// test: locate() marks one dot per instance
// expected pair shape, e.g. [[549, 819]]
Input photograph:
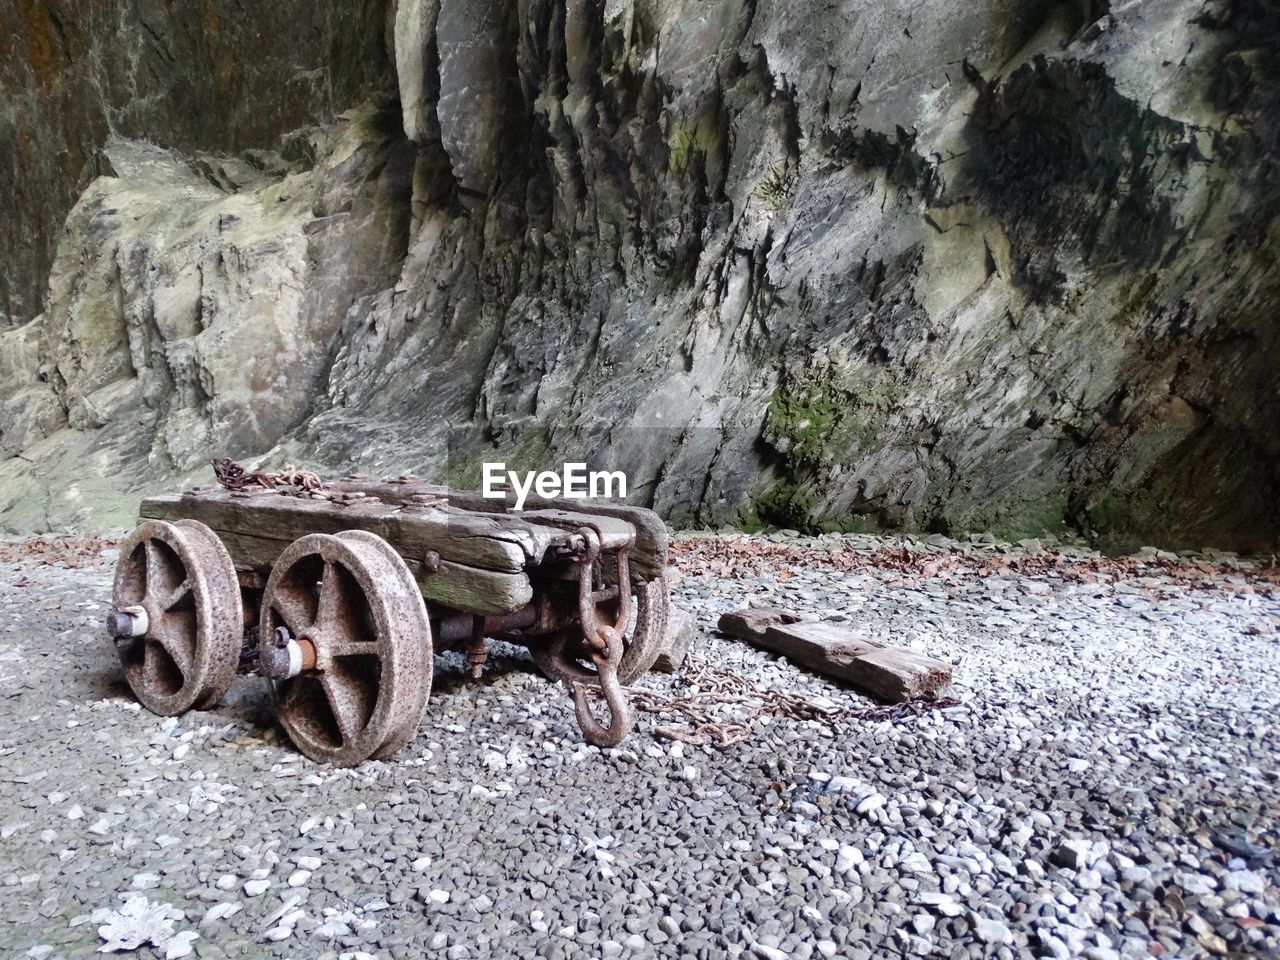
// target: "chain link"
[[716, 687]]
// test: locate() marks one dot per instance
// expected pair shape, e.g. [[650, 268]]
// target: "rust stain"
[[223, 65], [41, 38], [212, 22], [224, 73], [26, 145]]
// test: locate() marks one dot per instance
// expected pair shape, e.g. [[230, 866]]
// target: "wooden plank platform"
[[648, 556], [614, 533], [491, 542], [457, 586], [892, 674], [485, 551], [482, 558]]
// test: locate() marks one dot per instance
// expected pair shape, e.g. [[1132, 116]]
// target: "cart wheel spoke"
[[352, 648], [330, 587], [166, 635], [154, 659], [153, 582], [294, 613], [351, 701], [175, 596]]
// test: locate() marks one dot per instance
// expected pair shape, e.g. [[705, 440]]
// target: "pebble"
[[220, 911], [943, 903], [990, 931], [1244, 881], [848, 859], [873, 802], [1071, 854], [180, 944]]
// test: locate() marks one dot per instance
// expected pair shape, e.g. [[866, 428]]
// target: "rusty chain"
[[234, 477], [718, 686]]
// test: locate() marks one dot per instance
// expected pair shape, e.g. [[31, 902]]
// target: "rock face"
[[922, 265], [198, 76]]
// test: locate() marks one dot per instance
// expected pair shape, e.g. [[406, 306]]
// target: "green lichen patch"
[[816, 422], [775, 189], [529, 451], [1136, 302], [820, 420], [691, 141], [1120, 522], [854, 523], [1014, 517], [787, 505]]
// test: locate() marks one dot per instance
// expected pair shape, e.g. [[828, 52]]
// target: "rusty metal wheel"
[[564, 658], [351, 602], [177, 617]]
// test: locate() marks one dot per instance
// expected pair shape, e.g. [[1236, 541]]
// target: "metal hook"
[[619, 710]]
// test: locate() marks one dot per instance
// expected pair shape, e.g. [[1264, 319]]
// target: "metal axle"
[[127, 623], [286, 657]]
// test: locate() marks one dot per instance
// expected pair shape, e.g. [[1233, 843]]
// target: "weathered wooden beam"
[[614, 533], [474, 591], [452, 585], [491, 542], [678, 642], [751, 623], [648, 556], [890, 673]]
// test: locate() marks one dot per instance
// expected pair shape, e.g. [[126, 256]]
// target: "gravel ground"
[[1108, 786]]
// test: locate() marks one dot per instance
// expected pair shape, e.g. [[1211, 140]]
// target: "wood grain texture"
[[453, 585], [679, 641], [648, 556], [892, 674], [490, 542]]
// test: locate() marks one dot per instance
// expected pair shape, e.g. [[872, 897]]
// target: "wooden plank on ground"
[[890, 673], [752, 623]]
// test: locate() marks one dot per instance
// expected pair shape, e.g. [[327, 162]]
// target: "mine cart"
[[340, 594]]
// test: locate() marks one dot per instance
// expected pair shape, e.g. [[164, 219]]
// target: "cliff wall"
[[1007, 265]]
